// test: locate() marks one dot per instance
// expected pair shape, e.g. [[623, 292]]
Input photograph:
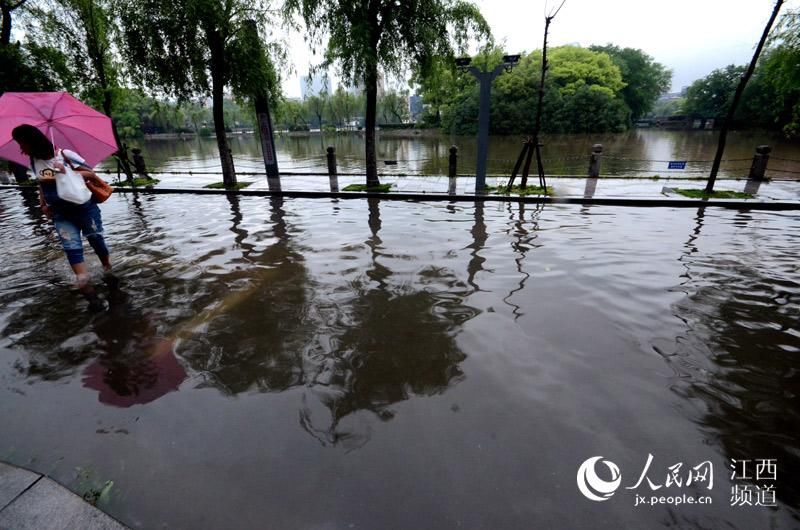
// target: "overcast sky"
[[691, 37]]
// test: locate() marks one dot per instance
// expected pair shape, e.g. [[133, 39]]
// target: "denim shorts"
[[71, 222]]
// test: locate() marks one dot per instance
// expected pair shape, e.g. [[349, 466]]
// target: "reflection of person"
[[70, 219], [137, 366], [6, 177]]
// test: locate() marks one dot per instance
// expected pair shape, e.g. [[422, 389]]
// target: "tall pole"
[[267, 142], [537, 126], [723, 133], [533, 141], [485, 79]]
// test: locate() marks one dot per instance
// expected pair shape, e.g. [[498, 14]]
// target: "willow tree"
[[364, 36], [7, 7], [82, 30], [189, 48]]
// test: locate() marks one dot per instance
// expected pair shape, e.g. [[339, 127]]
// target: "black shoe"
[[111, 281], [117, 296], [96, 304]]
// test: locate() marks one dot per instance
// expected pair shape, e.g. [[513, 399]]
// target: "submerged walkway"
[[767, 195], [631, 191], [32, 501]]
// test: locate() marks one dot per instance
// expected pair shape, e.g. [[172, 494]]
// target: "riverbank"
[[386, 133]]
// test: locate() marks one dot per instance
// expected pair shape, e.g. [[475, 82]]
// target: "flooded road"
[[298, 363]]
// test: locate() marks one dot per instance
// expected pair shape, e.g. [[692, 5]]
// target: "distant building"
[[671, 96], [313, 85], [415, 106], [358, 88]]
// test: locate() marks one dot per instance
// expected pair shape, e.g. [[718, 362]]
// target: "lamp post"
[[485, 79]]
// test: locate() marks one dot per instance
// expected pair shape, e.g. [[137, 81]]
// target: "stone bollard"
[[760, 159], [451, 172], [331, 162], [594, 160], [332, 174]]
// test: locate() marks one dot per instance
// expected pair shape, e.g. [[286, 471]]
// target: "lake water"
[[299, 363], [637, 153]]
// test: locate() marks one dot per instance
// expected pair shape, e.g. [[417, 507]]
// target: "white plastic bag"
[[71, 186]]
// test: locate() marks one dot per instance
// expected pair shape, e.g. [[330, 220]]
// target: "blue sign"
[[677, 164]]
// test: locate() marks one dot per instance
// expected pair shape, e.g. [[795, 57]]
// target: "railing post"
[[594, 160], [451, 172], [332, 175], [760, 159]]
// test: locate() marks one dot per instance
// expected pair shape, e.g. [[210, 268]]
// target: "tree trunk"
[[371, 89], [5, 37], [225, 157], [97, 56], [122, 152], [217, 85]]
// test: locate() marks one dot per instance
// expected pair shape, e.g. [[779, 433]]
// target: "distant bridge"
[[680, 122]]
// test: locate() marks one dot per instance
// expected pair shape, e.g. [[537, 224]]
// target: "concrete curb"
[[736, 204], [31, 501]]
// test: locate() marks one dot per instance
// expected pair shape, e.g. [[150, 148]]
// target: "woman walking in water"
[[70, 219]]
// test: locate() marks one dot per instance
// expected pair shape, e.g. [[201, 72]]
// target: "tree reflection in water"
[[399, 342], [263, 323], [748, 381], [523, 241], [384, 344], [253, 338]]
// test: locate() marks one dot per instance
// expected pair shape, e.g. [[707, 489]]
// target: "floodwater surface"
[[299, 363], [641, 153]]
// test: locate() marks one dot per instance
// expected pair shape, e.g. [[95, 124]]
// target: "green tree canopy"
[[645, 80], [315, 106], [191, 47], [82, 31], [782, 70], [394, 107], [344, 106], [709, 97], [367, 35], [434, 87], [29, 65], [572, 67], [582, 94]]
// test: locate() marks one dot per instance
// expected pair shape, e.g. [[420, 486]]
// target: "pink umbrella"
[[137, 379], [67, 122]]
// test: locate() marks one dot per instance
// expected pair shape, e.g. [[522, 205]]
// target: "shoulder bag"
[[71, 186], [100, 189]]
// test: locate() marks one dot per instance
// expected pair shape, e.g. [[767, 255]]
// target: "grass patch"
[[517, 190], [721, 194], [137, 182], [381, 188], [222, 186]]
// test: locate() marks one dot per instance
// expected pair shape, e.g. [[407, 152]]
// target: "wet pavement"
[[30, 501]]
